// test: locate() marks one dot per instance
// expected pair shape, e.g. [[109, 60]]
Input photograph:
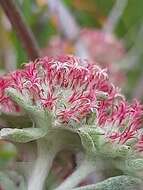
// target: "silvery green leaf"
[[22, 135], [131, 164], [42, 118], [87, 142], [114, 150], [20, 100], [115, 183], [135, 164], [95, 142], [90, 138]]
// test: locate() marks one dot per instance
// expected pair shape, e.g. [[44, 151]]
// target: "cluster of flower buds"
[[103, 48], [74, 94], [106, 50]]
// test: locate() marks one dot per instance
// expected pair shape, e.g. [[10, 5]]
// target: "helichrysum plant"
[[71, 103]]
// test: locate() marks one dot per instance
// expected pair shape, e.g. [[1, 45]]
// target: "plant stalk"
[[42, 165], [77, 176], [18, 22]]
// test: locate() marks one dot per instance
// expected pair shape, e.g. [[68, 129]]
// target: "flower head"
[[72, 93], [103, 47]]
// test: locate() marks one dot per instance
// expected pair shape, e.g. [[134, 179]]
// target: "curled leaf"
[[87, 142], [41, 117], [22, 135]]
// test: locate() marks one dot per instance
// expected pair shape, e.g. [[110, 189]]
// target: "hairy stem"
[[42, 166], [76, 177], [17, 20]]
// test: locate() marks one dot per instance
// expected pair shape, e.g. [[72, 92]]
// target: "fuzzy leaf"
[[42, 118], [20, 100], [93, 141], [87, 142], [130, 166], [91, 138], [115, 183], [111, 150], [135, 164], [22, 135]]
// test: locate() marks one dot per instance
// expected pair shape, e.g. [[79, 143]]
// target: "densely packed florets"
[[102, 47], [72, 93]]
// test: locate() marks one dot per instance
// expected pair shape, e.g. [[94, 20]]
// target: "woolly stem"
[[42, 165], [77, 176]]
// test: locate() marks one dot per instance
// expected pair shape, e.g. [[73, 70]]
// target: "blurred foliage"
[[91, 13], [37, 18], [7, 153]]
